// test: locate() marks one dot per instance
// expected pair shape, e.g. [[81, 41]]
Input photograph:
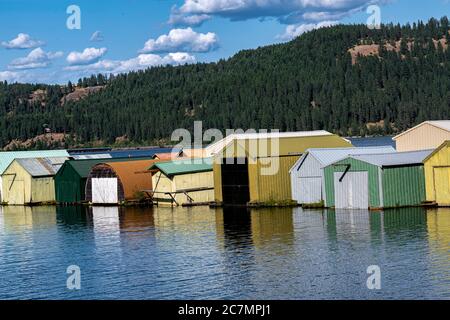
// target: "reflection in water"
[[268, 226], [136, 219], [231, 253], [438, 223]]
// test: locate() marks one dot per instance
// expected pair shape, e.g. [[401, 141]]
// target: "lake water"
[[203, 253]]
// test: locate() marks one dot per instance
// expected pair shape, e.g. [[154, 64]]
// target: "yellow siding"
[[437, 176], [20, 188], [42, 190], [275, 187], [183, 182], [217, 172], [16, 185], [423, 137]]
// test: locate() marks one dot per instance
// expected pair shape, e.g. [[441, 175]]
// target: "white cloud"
[[88, 56], [295, 30], [37, 58], [22, 41], [194, 20], [186, 40], [97, 36], [286, 11], [140, 62]]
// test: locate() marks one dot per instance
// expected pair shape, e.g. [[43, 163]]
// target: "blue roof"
[[6, 157]]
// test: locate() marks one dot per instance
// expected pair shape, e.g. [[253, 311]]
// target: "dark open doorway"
[[235, 185]]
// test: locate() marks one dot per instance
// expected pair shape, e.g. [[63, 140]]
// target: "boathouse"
[[253, 168], [376, 181], [6, 157], [116, 182], [30, 181], [70, 180], [183, 182], [425, 136], [307, 179], [437, 175]]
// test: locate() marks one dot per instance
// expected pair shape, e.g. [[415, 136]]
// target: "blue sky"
[[122, 35]]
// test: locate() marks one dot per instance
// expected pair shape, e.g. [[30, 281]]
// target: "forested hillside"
[[346, 79]]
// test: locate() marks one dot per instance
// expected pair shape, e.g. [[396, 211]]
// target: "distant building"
[[307, 180], [425, 136], [376, 181], [30, 181], [254, 167]]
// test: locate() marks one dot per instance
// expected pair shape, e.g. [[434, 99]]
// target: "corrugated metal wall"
[[403, 186], [436, 177], [422, 138], [276, 187], [355, 166]]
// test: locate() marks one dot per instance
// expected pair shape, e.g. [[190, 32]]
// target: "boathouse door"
[[351, 190], [235, 182], [104, 190]]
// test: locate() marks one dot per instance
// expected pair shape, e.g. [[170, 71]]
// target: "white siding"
[[353, 191], [104, 190], [310, 172]]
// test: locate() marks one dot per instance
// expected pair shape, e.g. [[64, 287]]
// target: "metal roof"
[[221, 144], [394, 159], [442, 124], [328, 156], [6, 157], [91, 156], [178, 167], [42, 167]]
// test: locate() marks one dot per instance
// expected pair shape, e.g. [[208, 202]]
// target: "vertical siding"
[[42, 190], [275, 187], [17, 189], [217, 172], [422, 138], [356, 166], [310, 168], [403, 186], [440, 159]]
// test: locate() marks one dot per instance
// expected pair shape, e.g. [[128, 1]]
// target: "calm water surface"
[[203, 253]]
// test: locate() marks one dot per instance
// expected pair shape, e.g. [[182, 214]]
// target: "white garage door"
[[104, 190], [353, 191], [309, 190]]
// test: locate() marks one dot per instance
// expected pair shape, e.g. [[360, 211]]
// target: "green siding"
[[403, 186], [69, 187], [355, 166]]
